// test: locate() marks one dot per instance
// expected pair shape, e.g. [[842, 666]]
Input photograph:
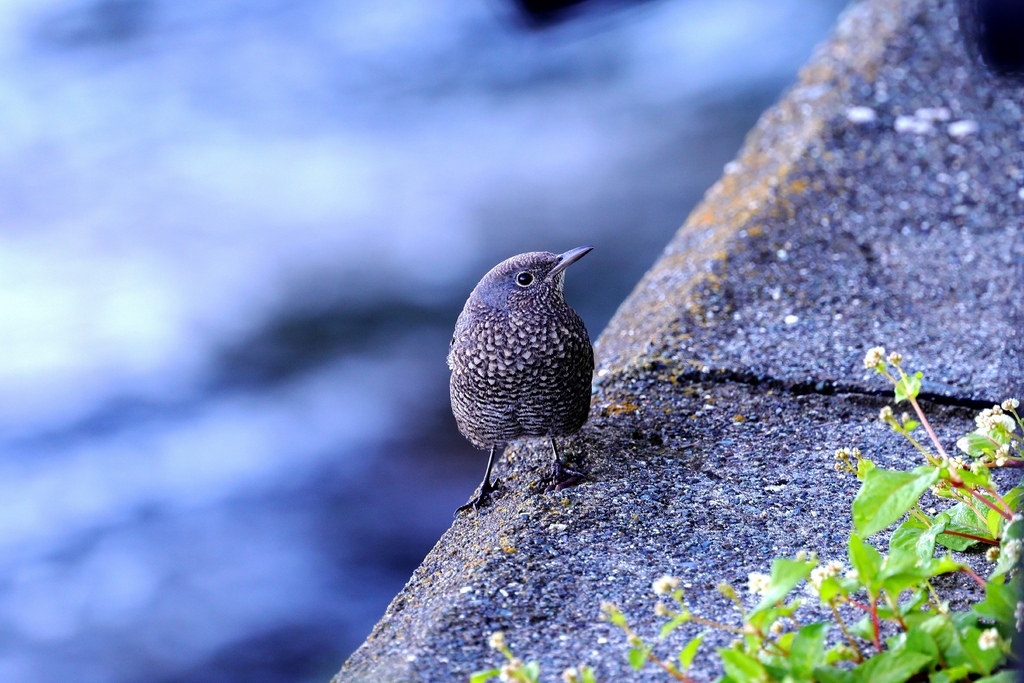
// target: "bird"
[[521, 360]]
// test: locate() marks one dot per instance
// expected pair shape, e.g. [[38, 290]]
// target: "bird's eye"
[[524, 279]]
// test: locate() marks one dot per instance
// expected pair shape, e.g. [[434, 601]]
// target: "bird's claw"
[[478, 501], [563, 477]]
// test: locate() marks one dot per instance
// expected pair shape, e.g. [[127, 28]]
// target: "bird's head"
[[531, 280]]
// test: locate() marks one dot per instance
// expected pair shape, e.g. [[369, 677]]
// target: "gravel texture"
[[880, 202]]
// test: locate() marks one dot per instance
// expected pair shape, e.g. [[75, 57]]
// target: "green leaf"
[[908, 386], [982, 480], [741, 667], [484, 676], [532, 671], [1014, 497], [863, 467], [1005, 676], [777, 669], [637, 657], [886, 495], [906, 536], [829, 674], [976, 445], [904, 569], [831, 587], [984, 660], [785, 641], [904, 553], [1006, 560], [673, 623], [892, 667], [940, 628], [957, 637], [687, 654], [999, 604], [862, 628], [762, 620], [958, 543], [615, 615], [910, 609], [808, 649], [963, 520], [865, 559], [943, 565], [919, 640], [950, 674], [925, 548], [896, 583], [994, 521], [785, 575], [1015, 529]]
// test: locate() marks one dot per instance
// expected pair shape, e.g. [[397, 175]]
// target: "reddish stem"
[[669, 669], [986, 501], [876, 628], [928, 427], [979, 539], [970, 572], [871, 609]]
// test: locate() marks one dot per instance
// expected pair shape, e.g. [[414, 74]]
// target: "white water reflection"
[[233, 238]]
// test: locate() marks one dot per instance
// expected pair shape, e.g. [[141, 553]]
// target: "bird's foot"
[[485, 492], [563, 477]]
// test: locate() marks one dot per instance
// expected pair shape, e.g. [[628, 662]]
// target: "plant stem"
[[714, 624], [931, 459], [1001, 501], [846, 633], [876, 628], [970, 572], [895, 612], [871, 609], [928, 427], [979, 539], [917, 514], [669, 669], [1006, 514]]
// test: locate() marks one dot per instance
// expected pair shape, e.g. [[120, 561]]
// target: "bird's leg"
[[485, 486], [561, 475]]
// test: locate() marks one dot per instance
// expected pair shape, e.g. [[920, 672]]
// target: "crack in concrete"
[[932, 392]]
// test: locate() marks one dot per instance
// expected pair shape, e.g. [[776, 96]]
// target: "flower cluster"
[[1012, 550], [666, 585], [825, 571], [874, 357], [989, 639], [758, 583], [995, 419], [847, 459]]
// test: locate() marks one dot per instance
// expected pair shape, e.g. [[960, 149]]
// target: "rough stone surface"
[[863, 234], [855, 215]]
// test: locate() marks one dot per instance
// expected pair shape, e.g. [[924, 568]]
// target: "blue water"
[[234, 238]]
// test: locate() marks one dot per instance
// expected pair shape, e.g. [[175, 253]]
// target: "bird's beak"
[[567, 259]]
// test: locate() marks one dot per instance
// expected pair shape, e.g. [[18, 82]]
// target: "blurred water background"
[[234, 239]]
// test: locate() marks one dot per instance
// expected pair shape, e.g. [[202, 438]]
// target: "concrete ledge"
[[863, 233], [732, 372]]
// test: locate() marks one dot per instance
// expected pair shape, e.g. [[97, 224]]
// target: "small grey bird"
[[521, 359]]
